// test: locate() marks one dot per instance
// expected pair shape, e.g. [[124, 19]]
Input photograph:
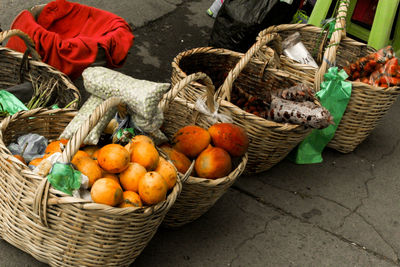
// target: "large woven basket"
[[16, 68], [198, 194], [58, 229], [270, 142], [367, 105]]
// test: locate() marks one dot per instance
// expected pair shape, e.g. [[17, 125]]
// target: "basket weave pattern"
[[198, 194], [59, 229]]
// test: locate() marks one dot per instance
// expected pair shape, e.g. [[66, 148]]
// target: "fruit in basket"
[[230, 137], [77, 155], [113, 158], [145, 154], [152, 188], [90, 168], [137, 139], [130, 199], [130, 177], [167, 171], [213, 163], [90, 149], [35, 162], [106, 191], [191, 140], [180, 161], [111, 176], [56, 146]]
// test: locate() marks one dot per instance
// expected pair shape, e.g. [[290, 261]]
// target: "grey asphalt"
[[342, 212]]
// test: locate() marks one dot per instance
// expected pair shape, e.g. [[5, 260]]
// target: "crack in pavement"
[[241, 244], [391, 151], [340, 237]]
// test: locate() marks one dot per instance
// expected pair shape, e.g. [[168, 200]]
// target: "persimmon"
[[191, 140], [145, 154], [130, 177], [213, 163], [106, 191], [138, 139], [90, 168], [113, 158], [130, 199], [167, 171], [111, 176], [56, 146], [77, 155], [180, 161], [152, 188], [90, 150], [35, 162]]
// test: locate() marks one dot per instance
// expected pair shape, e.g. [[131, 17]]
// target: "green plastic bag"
[[64, 178], [9, 103], [334, 95]]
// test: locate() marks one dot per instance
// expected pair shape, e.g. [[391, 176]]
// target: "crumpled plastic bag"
[[34, 145], [64, 178], [10, 103]]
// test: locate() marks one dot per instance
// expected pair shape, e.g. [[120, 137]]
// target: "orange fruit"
[[20, 158], [106, 191], [181, 162], [130, 177], [35, 161], [64, 141], [152, 188], [167, 171], [77, 155], [113, 158], [55, 146], [90, 150], [130, 199], [138, 139], [145, 154], [90, 168], [111, 176]]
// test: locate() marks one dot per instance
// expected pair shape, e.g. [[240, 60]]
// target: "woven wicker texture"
[[17, 68], [367, 104], [59, 229], [270, 142], [198, 194]]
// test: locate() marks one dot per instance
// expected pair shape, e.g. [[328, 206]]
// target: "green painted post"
[[319, 12], [383, 22]]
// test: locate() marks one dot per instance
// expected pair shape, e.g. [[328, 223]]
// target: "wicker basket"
[[17, 68], [58, 229], [367, 105], [270, 142], [198, 194]]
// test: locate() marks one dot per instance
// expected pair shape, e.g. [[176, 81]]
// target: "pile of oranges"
[[125, 176]]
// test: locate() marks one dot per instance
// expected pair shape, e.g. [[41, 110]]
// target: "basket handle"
[[226, 88], [77, 139], [210, 101], [30, 45], [330, 53]]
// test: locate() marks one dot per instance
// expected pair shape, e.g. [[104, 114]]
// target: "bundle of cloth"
[[68, 36]]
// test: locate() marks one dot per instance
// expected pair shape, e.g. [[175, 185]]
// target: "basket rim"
[[64, 78], [54, 194], [223, 180], [211, 50]]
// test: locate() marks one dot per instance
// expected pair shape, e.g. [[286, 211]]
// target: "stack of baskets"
[[367, 104], [198, 194], [56, 228], [17, 68]]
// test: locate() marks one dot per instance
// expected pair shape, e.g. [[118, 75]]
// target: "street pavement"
[[342, 212]]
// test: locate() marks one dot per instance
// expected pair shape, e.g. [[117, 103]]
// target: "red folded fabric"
[[67, 36]]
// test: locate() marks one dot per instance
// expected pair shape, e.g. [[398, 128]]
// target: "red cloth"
[[67, 36]]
